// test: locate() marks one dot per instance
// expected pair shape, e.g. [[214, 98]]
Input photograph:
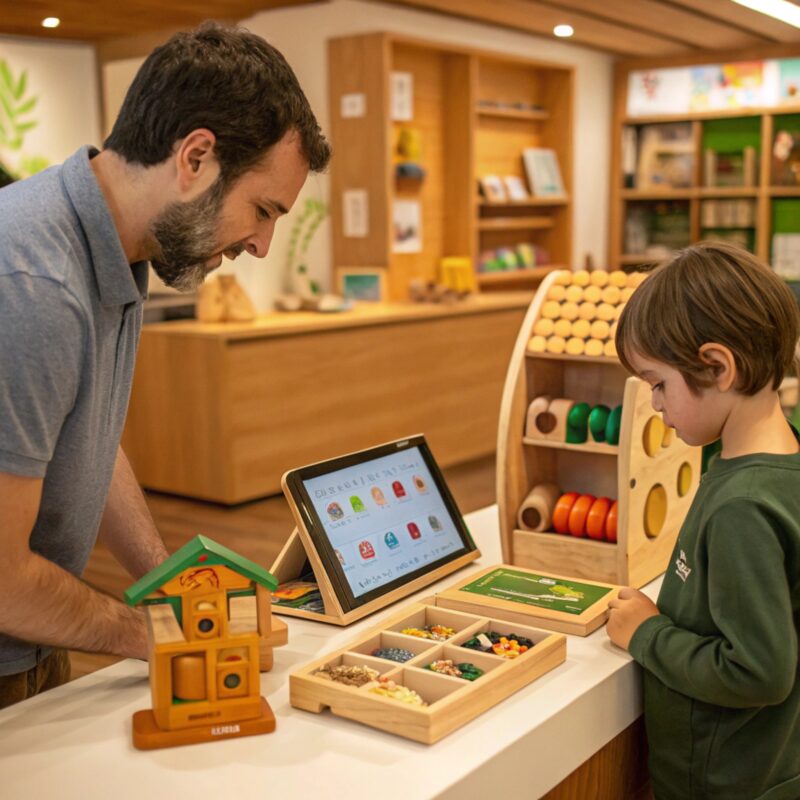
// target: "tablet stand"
[[300, 547]]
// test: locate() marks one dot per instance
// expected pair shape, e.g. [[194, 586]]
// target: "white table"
[[75, 741]]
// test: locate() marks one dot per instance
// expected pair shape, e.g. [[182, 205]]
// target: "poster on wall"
[[402, 96], [659, 91], [407, 219], [722, 86]]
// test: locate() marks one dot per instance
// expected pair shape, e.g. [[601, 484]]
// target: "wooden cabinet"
[[473, 115], [221, 411]]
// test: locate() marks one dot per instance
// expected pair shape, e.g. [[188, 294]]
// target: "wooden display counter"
[[220, 411]]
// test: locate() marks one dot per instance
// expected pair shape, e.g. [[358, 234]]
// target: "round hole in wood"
[[545, 422], [653, 435], [531, 517], [655, 510], [684, 478], [633, 483], [669, 436]]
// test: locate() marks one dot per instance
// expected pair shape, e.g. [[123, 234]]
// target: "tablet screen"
[[383, 516]]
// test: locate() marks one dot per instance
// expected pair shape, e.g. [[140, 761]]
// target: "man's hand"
[[626, 613]]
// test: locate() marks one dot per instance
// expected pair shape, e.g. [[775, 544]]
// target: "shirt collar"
[[118, 282]]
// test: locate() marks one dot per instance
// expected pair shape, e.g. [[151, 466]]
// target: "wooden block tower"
[[210, 631], [577, 434]]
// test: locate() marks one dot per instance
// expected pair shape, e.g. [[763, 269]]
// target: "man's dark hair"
[[225, 79]]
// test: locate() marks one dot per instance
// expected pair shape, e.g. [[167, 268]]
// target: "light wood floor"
[[256, 530]]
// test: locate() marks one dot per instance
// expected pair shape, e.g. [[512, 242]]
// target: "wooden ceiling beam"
[[746, 19], [654, 16], [531, 16]]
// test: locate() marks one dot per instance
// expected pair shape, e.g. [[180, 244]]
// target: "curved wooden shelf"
[[588, 447]]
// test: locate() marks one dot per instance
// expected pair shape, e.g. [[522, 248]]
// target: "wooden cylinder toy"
[[536, 511], [556, 345], [569, 310], [189, 677], [562, 510], [578, 514], [581, 277], [536, 409], [581, 328], [618, 278], [558, 410], [594, 347], [598, 277], [557, 292]]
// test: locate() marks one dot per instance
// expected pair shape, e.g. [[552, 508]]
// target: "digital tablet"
[[378, 518]]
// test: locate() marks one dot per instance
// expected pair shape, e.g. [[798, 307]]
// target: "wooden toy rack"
[[651, 473], [452, 701]]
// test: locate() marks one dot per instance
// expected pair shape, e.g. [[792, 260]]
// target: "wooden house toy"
[[210, 632], [590, 483]]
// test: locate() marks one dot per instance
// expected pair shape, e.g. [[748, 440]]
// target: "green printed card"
[[557, 594]]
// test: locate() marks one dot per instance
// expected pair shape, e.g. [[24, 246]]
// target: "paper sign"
[[354, 105], [355, 219]]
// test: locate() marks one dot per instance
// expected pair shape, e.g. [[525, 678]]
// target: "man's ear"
[[721, 364], [196, 164]]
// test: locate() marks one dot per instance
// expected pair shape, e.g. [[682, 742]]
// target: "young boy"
[[713, 332]]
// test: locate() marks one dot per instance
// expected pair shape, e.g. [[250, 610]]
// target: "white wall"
[[301, 33], [64, 77]]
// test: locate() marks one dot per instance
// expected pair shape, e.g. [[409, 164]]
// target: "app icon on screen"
[[398, 489], [366, 550], [433, 521], [420, 484], [413, 530], [377, 496], [357, 503], [335, 511], [391, 541]]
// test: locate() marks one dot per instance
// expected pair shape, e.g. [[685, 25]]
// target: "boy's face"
[[193, 236], [697, 418]]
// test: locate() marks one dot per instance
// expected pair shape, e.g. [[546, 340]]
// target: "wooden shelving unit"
[[651, 473], [461, 140], [768, 217]]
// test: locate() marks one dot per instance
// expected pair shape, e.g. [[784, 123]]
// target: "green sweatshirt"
[[721, 688]]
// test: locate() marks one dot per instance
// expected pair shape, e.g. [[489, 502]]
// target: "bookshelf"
[[716, 175], [472, 115]]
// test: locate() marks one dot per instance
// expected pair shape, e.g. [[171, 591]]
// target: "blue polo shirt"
[[70, 318]]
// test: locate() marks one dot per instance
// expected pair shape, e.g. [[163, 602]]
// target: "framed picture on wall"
[[361, 283]]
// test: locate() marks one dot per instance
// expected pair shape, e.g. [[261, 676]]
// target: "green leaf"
[[26, 107], [5, 74], [6, 106], [26, 126], [22, 85]]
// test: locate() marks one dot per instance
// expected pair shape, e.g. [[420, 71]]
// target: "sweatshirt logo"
[[682, 568]]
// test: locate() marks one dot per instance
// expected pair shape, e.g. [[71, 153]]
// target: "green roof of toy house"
[[200, 550]]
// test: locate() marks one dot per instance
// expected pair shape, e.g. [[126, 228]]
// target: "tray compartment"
[[504, 629], [391, 639], [428, 685], [431, 615], [348, 659], [458, 655]]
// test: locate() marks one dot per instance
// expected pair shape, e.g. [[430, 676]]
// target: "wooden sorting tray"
[[452, 702]]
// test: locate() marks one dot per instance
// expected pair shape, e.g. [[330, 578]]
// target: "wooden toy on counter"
[[210, 632], [572, 417]]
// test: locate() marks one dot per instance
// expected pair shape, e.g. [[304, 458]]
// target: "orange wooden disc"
[[578, 514], [562, 511], [596, 521], [611, 523]]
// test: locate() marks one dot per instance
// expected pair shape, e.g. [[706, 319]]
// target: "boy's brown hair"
[[713, 292]]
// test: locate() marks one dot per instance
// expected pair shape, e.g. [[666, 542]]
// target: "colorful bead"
[[388, 688], [438, 633], [399, 654]]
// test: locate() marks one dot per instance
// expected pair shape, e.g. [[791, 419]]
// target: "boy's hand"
[[626, 613]]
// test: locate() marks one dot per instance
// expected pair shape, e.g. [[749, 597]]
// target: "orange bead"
[[611, 523], [578, 514], [562, 511], [596, 521]]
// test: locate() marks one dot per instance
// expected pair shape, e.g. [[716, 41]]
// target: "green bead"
[[598, 417], [578, 423], [613, 425]]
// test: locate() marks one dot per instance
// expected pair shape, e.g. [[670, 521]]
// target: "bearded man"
[[212, 145]]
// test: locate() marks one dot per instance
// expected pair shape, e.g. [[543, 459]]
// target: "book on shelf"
[[728, 213], [544, 175], [737, 168], [786, 255], [666, 157]]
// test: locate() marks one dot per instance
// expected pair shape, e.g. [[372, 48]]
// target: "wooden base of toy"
[[299, 549], [148, 736], [452, 702]]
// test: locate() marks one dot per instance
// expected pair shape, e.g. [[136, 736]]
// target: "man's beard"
[[185, 238]]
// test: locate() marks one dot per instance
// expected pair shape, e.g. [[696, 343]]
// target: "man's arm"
[[43, 603], [127, 528]]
